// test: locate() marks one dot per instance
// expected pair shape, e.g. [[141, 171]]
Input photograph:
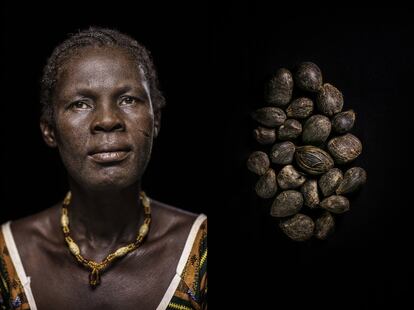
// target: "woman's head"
[[99, 109], [96, 37]]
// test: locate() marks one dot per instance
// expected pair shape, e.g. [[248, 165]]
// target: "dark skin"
[[104, 129]]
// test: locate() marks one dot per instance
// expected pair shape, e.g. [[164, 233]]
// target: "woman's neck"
[[105, 219]]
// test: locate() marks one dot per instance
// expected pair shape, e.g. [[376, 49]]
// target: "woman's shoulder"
[[35, 232], [39, 224], [27, 233], [171, 212], [171, 220], [184, 231]]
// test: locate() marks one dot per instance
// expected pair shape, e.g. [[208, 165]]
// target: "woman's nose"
[[107, 119]]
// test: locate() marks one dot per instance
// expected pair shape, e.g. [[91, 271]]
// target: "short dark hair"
[[101, 37]]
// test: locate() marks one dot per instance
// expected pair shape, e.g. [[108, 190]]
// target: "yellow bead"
[[146, 202], [121, 251], [73, 247], [67, 199], [143, 230], [64, 220]]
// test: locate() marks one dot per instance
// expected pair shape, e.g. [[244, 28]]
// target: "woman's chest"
[[137, 281]]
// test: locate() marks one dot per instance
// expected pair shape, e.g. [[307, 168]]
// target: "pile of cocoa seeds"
[[306, 171]]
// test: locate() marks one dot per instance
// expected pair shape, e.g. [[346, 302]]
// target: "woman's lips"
[[109, 157]]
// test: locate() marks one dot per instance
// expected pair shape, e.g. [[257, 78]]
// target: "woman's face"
[[104, 120]]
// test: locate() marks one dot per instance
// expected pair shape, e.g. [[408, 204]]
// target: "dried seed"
[[344, 121], [316, 130], [330, 100], [313, 160], [291, 129], [335, 204], [287, 203], [282, 153], [310, 193], [324, 226], [345, 149], [265, 135], [279, 88], [269, 116], [289, 178], [258, 162], [300, 108], [354, 178], [298, 228], [308, 77], [266, 186], [330, 181]]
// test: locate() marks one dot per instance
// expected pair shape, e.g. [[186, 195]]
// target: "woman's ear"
[[157, 122], [48, 133]]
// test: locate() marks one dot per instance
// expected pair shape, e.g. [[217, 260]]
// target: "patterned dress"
[[187, 290]]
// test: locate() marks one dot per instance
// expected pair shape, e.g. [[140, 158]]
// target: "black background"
[[213, 60]]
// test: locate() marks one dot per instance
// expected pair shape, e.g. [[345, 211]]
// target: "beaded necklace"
[[96, 268]]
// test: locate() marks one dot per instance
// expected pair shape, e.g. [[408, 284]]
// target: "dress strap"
[[17, 262], [182, 262]]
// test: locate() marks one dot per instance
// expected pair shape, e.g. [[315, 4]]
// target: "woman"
[[107, 245]]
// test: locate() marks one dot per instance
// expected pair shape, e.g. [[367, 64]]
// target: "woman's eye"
[[81, 105], [128, 101]]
